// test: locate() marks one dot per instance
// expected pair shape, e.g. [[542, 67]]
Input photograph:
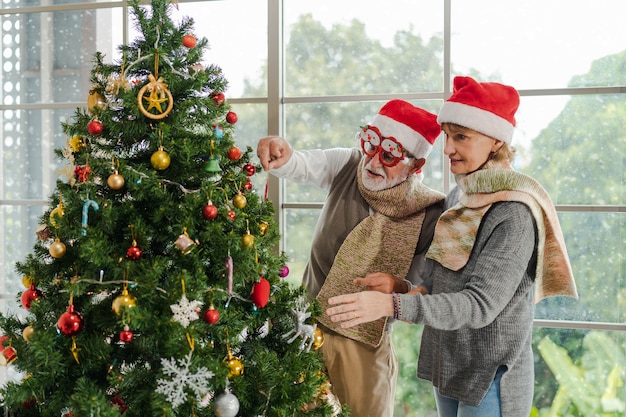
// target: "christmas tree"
[[155, 288]]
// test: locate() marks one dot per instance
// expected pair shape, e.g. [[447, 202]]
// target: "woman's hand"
[[353, 309]]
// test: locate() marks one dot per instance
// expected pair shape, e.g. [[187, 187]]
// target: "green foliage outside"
[[578, 158], [592, 387]]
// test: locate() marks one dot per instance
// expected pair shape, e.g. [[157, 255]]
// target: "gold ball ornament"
[[28, 333], [160, 160], [240, 201], [318, 338], [263, 227], [115, 181], [124, 300], [247, 240], [27, 280], [235, 367], [57, 249], [95, 100]]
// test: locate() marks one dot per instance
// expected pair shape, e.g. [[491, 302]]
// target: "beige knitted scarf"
[[383, 242], [456, 229]]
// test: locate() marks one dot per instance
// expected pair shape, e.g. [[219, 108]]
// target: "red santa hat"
[[414, 128], [488, 108]]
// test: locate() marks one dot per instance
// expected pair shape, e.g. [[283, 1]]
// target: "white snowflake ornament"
[[186, 311], [181, 378]]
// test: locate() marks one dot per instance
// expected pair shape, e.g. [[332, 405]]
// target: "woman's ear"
[[497, 144]]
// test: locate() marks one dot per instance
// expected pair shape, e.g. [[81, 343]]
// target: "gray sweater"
[[481, 317]]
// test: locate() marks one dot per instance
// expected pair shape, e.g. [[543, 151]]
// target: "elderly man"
[[378, 217]]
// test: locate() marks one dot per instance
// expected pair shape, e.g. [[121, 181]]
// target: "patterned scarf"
[[383, 242], [456, 229]]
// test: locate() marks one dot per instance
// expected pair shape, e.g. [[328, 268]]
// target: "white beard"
[[382, 182]]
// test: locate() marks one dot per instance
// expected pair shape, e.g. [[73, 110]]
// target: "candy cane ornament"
[[85, 216], [229, 269]]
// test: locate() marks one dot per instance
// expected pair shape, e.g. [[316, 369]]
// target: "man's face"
[[377, 177]]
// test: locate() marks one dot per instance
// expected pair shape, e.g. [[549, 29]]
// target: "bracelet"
[[398, 308], [395, 301]]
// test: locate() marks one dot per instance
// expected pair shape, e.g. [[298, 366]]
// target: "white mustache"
[[378, 171]]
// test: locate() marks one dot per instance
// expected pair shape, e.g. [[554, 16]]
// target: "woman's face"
[[467, 149]]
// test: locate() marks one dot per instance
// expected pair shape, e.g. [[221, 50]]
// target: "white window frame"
[[276, 101]]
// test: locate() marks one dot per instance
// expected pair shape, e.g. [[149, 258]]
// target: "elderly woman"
[[497, 249]]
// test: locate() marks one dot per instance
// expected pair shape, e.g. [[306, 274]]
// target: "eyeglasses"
[[389, 150]]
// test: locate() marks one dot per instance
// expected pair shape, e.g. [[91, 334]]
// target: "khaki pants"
[[362, 377]]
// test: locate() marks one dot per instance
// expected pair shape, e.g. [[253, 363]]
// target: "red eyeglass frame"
[[385, 146]]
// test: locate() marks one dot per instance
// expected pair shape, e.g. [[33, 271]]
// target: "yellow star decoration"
[[158, 94], [155, 99]]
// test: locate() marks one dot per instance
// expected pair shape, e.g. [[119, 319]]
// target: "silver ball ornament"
[[226, 405]]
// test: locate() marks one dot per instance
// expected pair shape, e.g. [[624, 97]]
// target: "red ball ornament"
[[250, 169], [218, 98], [189, 41], [211, 316], [209, 211], [133, 252], [71, 322], [248, 185], [231, 117], [232, 215], [30, 295], [234, 153], [95, 127], [260, 294], [126, 335]]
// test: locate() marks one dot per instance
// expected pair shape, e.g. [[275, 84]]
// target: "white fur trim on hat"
[[411, 140], [477, 119]]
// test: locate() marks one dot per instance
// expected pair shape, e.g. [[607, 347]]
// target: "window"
[[314, 72]]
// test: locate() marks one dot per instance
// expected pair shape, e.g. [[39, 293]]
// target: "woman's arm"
[[497, 274]]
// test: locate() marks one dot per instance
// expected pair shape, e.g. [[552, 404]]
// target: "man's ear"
[[417, 165]]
